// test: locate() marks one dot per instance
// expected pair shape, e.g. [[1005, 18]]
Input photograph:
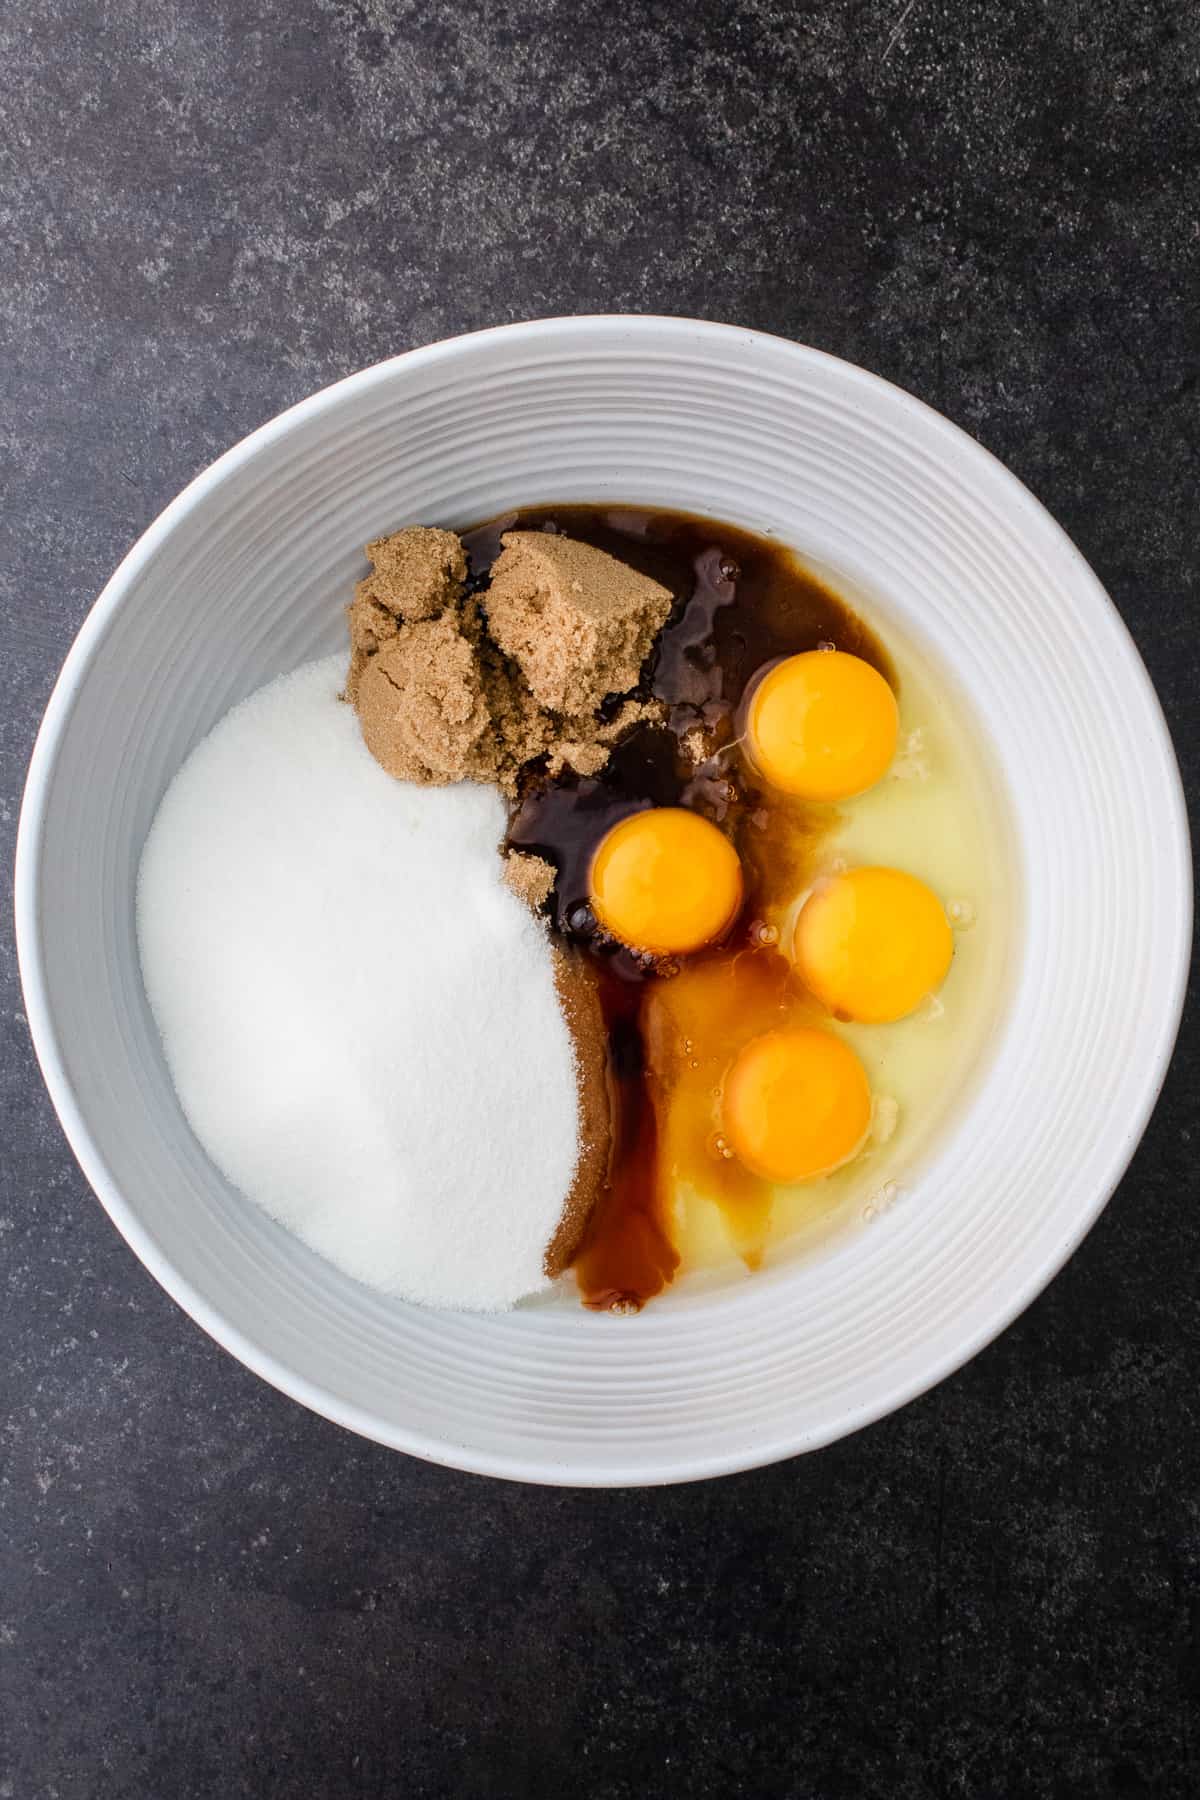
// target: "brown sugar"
[[439, 696], [520, 731], [531, 878], [416, 574], [421, 703], [583, 745], [577, 623], [581, 1008]]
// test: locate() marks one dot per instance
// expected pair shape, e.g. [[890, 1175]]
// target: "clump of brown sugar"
[[451, 689], [416, 574], [578, 623], [531, 878], [421, 702], [583, 745]]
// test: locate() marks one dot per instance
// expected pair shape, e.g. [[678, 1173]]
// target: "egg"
[[945, 825], [822, 725], [872, 943], [697, 1030], [796, 1104], [665, 881]]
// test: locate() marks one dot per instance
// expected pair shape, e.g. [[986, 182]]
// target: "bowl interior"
[[244, 577]]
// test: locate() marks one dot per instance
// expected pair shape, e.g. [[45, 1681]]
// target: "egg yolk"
[[796, 1104], [822, 725], [871, 944], [666, 881]]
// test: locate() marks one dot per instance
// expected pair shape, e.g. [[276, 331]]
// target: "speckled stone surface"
[[211, 207]]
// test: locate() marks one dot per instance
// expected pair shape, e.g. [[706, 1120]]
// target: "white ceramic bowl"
[[244, 576]]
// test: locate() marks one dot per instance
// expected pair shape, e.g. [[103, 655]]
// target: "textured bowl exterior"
[[243, 576]]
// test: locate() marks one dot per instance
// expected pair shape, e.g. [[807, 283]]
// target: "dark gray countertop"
[[212, 207]]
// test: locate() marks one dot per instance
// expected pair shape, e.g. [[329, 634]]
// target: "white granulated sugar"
[[360, 1020]]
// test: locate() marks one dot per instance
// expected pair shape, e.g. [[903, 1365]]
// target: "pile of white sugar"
[[360, 1020]]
